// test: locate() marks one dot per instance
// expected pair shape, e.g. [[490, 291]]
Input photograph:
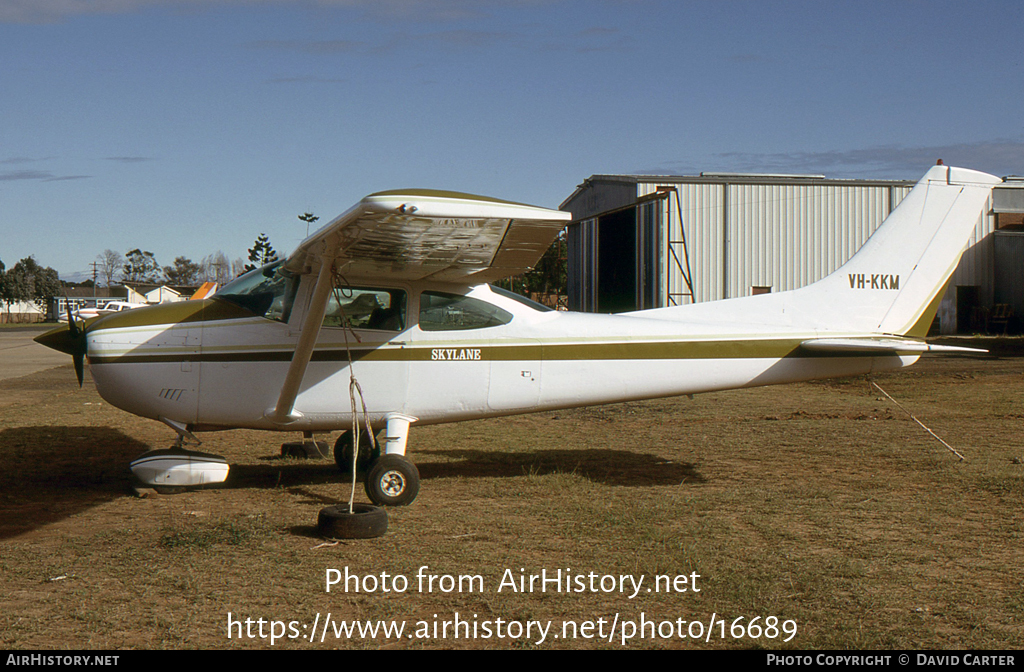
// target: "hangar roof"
[[620, 190]]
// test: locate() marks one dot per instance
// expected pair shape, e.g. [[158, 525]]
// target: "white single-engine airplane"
[[397, 286]]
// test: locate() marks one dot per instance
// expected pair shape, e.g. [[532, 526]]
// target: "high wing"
[[419, 234], [413, 234]]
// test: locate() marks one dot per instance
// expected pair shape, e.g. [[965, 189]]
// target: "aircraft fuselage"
[[212, 364]]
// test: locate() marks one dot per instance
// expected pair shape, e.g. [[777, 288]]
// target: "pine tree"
[[261, 253], [140, 266]]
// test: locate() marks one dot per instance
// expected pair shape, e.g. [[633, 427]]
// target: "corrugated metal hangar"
[[646, 241]]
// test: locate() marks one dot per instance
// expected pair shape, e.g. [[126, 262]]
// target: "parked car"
[[104, 309]]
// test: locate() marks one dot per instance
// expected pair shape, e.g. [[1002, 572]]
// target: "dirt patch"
[[817, 504]]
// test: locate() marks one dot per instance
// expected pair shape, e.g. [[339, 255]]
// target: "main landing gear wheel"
[[344, 447], [393, 481], [365, 521]]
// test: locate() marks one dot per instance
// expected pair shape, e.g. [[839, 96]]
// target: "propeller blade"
[[78, 340], [79, 359], [71, 320], [71, 340]]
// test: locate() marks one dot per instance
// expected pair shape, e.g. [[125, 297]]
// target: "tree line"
[[28, 282], [141, 266]]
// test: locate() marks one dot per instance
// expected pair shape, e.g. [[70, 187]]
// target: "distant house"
[[135, 292], [153, 294], [82, 297]]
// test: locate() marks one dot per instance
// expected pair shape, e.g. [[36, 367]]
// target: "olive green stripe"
[[924, 323], [747, 349]]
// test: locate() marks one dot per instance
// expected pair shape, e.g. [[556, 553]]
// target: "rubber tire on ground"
[[343, 452], [365, 522], [393, 480], [168, 489]]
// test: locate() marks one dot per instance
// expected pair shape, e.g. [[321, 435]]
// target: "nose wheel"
[[393, 480]]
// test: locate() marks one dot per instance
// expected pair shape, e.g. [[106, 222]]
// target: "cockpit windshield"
[[268, 292]]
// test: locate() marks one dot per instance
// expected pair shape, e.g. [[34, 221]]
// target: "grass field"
[[820, 504]]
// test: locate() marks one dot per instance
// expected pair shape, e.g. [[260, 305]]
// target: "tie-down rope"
[[353, 389], [962, 458]]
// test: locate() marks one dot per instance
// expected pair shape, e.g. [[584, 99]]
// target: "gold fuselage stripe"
[[735, 349]]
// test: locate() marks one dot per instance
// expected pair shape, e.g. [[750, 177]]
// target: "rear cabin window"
[[366, 308], [521, 299], [453, 312]]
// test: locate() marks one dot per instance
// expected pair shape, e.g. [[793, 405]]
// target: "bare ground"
[[820, 504]]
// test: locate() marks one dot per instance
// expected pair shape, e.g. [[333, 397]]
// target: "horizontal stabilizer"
[[880, 345]]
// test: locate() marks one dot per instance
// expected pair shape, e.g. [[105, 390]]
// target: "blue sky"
[[184, 127]]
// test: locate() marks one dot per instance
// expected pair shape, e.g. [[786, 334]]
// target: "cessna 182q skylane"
[[397, 285]]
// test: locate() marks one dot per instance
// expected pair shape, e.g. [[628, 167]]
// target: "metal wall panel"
[[781, 236], [1009, 270], [774, 232], [976, 269], [976, 265], [702, 210], [598, 196], [788, 236], [1008, 198], [650, 267], [581, 266]]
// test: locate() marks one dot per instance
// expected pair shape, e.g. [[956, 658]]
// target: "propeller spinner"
[[70, 340]]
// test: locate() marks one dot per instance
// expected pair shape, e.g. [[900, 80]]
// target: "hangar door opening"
[[615, 262]]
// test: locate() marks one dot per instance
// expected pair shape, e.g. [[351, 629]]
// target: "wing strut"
[[285, 413]]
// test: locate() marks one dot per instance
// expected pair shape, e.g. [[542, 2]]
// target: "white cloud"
[[309, 46], [49, 11], [15, 175], [40, 175]]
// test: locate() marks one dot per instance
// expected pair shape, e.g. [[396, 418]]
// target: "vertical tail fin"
[[894, 283]]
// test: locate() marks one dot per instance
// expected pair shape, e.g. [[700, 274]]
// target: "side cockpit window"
[[450, 312], [267, 292], [366, 308]]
